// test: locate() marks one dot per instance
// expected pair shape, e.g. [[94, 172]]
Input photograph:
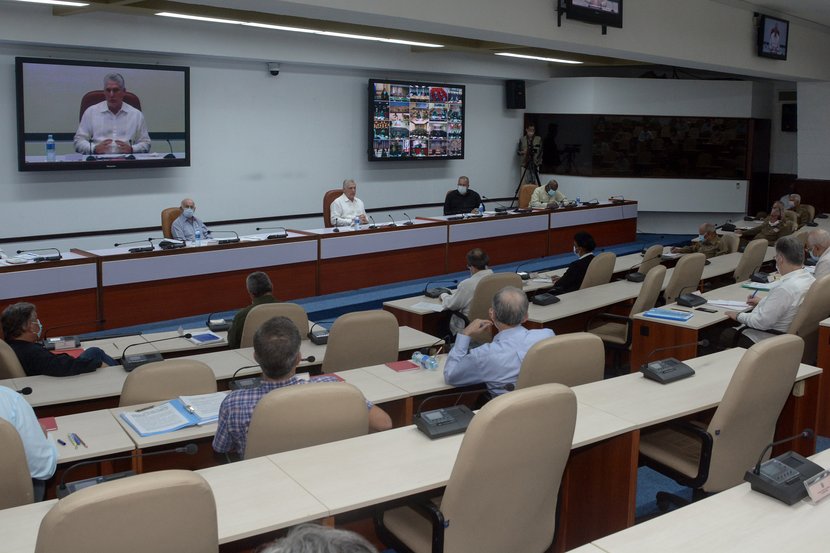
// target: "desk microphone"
[[336, 225], [254, 381], [283, 234], [783, 477], [319, 337], [409, 222], [136, 250], [501, 207], [436, 292], [25, 391], [670, 369], [65, 341], [65, 489], [130, 363], [218, 326], [394, 224], [524, 275], [51, 257], [637, 276], [807, 434], [171, 155], [373, 225], [617, 199], [169, 243], [233, 240]]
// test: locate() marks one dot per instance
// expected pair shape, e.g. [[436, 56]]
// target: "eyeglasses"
[[112, 90]]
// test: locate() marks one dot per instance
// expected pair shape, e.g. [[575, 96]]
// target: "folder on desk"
[[668, 314], [175, 414]]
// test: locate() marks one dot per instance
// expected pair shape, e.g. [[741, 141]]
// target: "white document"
[[156, 420], [204, 406], [729, 304], [428, 306]]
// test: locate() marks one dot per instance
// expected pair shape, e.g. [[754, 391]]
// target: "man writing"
[[462, 199], [112, 126], [277, 351], [547, 196], [186, 224], [496, 364], [460, 300], [708, 242], [260, 291], [348, 206]]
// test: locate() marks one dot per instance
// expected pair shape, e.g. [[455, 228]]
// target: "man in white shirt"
[[186, 224], [460, 300], [778, 308], [346, 207], [818, 244], [112, 126], [547, 196]]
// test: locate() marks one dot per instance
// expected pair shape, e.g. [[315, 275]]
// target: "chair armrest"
[[706, 444], [613, 317], [433, 514], [461, 316]]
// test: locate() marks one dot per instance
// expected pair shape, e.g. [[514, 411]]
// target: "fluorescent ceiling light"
[[412, 43], [56, 3], [538, 58], [280, 28], [200, 18]]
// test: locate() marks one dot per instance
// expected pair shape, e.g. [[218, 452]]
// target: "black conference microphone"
[[50, 257], [131, 362], [336, 225], [373, 225], [807, 434], [137, 250], [233, 240], [218, 326], [25, 391], [64, 341], [436, 292], [169, 243], [524, 275], [254, 381], [617, 199], [702, 343], [91, 156], [637, 276], [501, 207], [319, 337], [394, 224], [409, 222], [171, 155], [783, 477], [283, 234], [669, 369], [65, 489]]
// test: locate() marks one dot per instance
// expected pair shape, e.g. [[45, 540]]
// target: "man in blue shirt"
[[186, 224], [497, 363]]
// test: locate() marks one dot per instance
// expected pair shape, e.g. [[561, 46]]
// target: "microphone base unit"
[[635, 277], [545, 299], [73, 487], [667, 370], [690, 300], [141, 249], [170, 245], [502, 209], [523, 275], [62, 342], [277, 236], [245, 383], [40, 258], [319, 337], [227, 241], [783, 477], [436, 292], [443, 422], [132, 362], [218, 326]]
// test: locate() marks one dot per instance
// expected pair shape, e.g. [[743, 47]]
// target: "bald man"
[[186, 225]]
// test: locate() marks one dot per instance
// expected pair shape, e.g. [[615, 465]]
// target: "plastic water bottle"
[[356, 222], [198, 237], [481, 208], [578, 201], [425, 361], [50, 148]]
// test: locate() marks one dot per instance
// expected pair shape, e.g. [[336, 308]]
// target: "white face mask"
[[188, 212], [462, 189], [701, 237], [576, 252]]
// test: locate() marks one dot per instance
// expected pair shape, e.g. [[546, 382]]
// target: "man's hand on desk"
[[732, 315], [478, 325]]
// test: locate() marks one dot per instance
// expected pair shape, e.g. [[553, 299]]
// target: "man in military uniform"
[[709, 243]]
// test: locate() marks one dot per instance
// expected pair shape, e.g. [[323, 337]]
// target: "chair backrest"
[[686, 276], [166, 380], [10, 366], [487, 288], [305, 415], [814, 308], [97, 96], [361, 339], [650, 290], [168, 215], [651, 258], [169, 511], [751, 259], [811, 210], [791, 219], [569, 359], [744, 422], [732, 241], [599, 270], [261, 313], [525, 192], [15, 479], [329, 197], [485, 472]]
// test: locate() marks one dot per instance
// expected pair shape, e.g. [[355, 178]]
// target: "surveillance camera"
[[274, 69]]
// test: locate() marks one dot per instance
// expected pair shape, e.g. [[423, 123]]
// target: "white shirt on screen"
[[98, 123], [343, 210]]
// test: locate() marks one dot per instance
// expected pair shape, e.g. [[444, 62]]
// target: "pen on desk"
[[80, 440], [676, 309], [61, 442], [144, 408], [73, 442]]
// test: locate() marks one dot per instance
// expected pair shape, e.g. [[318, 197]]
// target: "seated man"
[[460, 300], [260, 291], [818, 244], [584, 246], [186, 224], [315, 538], [495, 364], [462, 200], [777, 309], [773, 227], [277, 350], [22, 330], [41, 454], [801, 211], [547, 196], [346, 207], [709, 243]]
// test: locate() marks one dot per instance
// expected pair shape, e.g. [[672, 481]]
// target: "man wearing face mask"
[[572, 279], [186, 225], [708, 242], [460, 300], [462, 199], [547, 196], [22, 331], [818, 245]]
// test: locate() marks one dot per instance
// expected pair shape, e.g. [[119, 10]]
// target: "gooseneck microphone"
[[233, 240], [336, 225], [637, 276], [51, 257], [130, 363], [807, 434], [171, 155], [282, 234], [148, 248], [409, 222], [373, 225], [394, 224]]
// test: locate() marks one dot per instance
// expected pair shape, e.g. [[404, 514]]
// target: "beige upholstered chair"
[[305, 415], [791, 219], [600, 270], [10, 366], [170, 511], [814, 309], [686, 276], [168, 215], [15, 480], [492, 504], [569, 359], [615, 330], [716, 457], [261, 313], [732, 241], [751, 260], [361, 339], [811, 210], [651, 258], [329, 197], [167, 380], [482, 300], [525, 192]]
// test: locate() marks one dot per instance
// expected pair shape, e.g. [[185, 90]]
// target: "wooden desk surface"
[[101, 433], [582, 301], [415, 382]]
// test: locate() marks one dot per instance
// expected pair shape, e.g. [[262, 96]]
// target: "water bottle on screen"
[[356, 222], [198, 237], [50, 149], [578, 201], [425, 361], [481, 208]]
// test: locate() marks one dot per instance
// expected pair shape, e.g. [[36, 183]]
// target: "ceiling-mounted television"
[[607, 13], [415, 120], [773, 34], [101, 115]]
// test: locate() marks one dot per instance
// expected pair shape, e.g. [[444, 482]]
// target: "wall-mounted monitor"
[[101, 115], [607, 13], [415, 120], [773, 34]]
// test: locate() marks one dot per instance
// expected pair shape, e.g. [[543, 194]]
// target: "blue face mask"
[[188, 212], [813, 257], [700, 238], [39, 328]]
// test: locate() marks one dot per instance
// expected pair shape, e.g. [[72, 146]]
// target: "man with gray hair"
[[801, 212], [260, 291], [773, 313], [496, 364], [112, 126], [313, 538], [818, 244], [708, 242], [348, 206]]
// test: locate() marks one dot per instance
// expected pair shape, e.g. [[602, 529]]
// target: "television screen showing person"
[[112, 126]]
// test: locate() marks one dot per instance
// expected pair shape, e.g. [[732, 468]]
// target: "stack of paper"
[[668, 314], [178, 413]]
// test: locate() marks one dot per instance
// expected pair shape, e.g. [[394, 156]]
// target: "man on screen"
[[112, 126]]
